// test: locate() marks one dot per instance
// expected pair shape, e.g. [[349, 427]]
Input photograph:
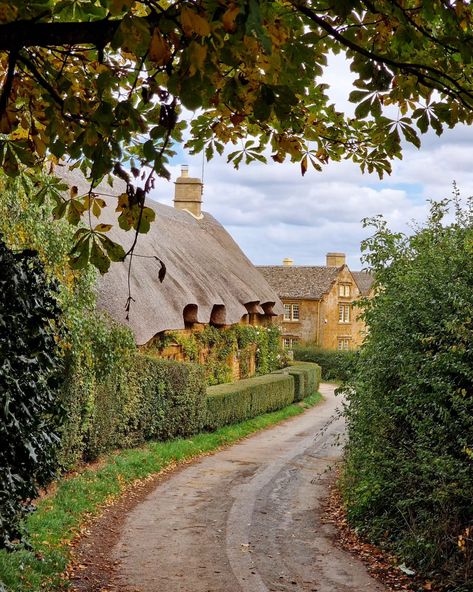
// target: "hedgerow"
[[306, 378], [92, 345], [29, 373], [230, 403], [336, 365], [147, 399], [408, 479]]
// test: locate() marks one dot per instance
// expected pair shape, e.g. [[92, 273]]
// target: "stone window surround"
[[291, 312]]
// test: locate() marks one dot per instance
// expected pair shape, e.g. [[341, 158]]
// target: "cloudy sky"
[[273, 212]]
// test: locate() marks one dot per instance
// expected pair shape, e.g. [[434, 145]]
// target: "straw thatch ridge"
[[205, 268]]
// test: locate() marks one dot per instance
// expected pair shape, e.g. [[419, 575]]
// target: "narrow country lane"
[[246, 519]]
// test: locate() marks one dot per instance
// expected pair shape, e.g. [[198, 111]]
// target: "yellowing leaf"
[[194, 23], [123, 202], [197, 55], [103, 227], [159, 51], [304, 165], [118, 6], [229, 18]]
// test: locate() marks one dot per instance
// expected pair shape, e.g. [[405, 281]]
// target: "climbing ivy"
[[213, 347], [29, 370]]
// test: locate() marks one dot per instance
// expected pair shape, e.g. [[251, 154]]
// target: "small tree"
[[29, 365], [409, 474]]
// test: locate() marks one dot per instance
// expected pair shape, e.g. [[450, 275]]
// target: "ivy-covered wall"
[[228, 353]]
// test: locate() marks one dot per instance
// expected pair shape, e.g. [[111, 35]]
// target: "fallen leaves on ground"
[[380, 565]]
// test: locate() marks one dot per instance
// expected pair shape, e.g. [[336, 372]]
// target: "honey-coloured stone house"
[[320, 302]]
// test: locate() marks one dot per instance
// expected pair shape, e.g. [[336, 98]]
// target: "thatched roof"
[[364, 280], [300, 282], [205, 268]]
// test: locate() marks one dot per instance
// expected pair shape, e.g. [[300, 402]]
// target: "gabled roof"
[[364, 280], [304, 282], [205, 268]]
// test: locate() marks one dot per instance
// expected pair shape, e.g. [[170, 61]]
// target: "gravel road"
[[246, 519]]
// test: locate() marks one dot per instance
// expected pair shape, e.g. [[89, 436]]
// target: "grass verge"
[[58, 518]]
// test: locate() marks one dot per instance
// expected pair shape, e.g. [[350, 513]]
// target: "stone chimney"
[[188, 193], [335, 259], [288, 262]]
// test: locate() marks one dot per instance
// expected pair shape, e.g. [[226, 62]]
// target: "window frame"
[[343, 343], [293, 309], [344, 313], [344, 290]]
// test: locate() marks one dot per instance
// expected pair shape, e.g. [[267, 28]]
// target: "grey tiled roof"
[[305, 282], [364, 281]]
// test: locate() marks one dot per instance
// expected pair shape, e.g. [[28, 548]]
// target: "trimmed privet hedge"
[[144, 398], [306, 378], [336, 365], [230, 403]]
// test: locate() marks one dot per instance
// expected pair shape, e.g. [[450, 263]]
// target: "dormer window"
[[344, 290]]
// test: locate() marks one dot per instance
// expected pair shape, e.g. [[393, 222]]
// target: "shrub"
[[230, 403], [147, 399], [306, 378], [312, 375], [92, 344], [29, 407], [105, 353], [408, 479], [335, 365]]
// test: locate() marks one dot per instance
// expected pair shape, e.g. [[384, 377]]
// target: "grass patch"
[[58, 518]]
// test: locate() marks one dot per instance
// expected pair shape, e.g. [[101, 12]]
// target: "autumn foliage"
[[103, 84]]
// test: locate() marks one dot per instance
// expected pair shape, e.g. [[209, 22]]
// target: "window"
[[344, 290], [289, 342], [343, 343], [343, 313], [291, 312]]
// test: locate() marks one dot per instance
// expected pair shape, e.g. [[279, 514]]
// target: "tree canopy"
[[102, 84]]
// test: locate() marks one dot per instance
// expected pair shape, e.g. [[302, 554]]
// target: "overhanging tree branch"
[[429, 75], [23, 34], [8, 84]]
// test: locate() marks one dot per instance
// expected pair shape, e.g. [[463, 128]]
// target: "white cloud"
[[273, 212]]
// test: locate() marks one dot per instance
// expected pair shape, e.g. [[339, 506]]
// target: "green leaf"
[[79, 258], [363, 109], [148, 215], [98, 258], [115, 251]]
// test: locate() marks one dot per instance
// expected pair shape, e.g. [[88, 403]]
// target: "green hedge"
[[306, 378], [336, 365], [230, 403], [145, 398]]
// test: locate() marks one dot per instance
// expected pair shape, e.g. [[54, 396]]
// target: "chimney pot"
[[184, 170], [288, 262]]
